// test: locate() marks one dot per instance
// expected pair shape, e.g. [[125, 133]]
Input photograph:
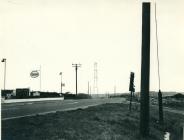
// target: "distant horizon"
[[128, 92]]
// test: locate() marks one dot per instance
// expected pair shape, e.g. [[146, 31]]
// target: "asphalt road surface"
[[18, 110]]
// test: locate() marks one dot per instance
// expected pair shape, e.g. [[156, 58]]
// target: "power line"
[[161, 118], [157, 47]]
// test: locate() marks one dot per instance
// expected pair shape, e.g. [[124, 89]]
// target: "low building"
[[22, 93], [7, 94]]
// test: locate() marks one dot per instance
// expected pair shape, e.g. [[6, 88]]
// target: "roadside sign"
[[34, 74]]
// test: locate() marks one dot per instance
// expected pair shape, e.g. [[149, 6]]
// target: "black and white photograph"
[[92, 69]]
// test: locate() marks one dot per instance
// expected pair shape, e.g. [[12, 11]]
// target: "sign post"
[[35, 74], [4, 60], [131, 89]]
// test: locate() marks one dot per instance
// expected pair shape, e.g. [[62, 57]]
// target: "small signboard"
[[34, 74]]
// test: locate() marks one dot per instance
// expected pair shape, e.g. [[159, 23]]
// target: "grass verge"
[[103, 122]]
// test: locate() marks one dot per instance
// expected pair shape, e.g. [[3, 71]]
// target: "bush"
[[48, 94], [83, 96], [78, 96]]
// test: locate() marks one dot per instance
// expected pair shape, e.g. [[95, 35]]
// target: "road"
[[18, 110]]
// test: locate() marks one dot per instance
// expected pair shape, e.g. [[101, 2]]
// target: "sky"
[[54, 34]]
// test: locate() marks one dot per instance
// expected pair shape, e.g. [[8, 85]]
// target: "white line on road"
[[30, 103], [14, 108], [10, 118], [73, 103], [9, 101], [44, 113]]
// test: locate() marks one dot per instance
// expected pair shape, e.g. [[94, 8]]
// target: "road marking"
[[16, 104], [30, 103], [44, 113], [66, 109], [10, 118], [14, 108], [73, 103], [21, 104], [31, 100]]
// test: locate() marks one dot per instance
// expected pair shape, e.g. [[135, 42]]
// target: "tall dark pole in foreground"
[[145, 70], [76, 68]]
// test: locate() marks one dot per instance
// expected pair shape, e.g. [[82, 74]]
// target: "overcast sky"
[[57, 33]]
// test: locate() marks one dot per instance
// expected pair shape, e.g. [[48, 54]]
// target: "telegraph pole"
[[40, 79], [114, 90], [88, 87], [76, 68], [145, 70], [95, 79], [61, 83], [4, 60]]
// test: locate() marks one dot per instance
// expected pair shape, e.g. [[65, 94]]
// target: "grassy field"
[[175, 105], [103, 122]]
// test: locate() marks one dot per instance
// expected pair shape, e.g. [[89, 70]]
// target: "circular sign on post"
[[34, 74]]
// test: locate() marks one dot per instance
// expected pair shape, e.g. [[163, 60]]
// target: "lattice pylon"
[[95, 86]]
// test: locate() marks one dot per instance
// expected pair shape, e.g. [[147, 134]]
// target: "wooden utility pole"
[[76, 68], [145, 70], [88, 87]]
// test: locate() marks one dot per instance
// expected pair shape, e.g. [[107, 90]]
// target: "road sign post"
[[131, 89], [161, 120], [4, 60]]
